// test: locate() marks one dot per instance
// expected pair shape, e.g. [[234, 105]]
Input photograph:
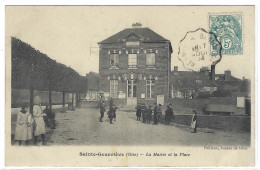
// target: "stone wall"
[[227, 123]]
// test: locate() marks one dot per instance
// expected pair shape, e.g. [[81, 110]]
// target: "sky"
[[67, 33]]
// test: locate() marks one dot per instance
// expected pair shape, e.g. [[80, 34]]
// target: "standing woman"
[[194, 121], [168, 114], [21, 131], [30, 127], [38, 118]]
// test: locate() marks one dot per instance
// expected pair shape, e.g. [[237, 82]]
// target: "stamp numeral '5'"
[[228, 29]]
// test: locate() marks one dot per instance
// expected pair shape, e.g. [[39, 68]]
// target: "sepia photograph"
[[144, 82]]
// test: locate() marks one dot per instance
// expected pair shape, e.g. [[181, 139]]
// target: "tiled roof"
[[146, 34], [222, 77], [187, 79]]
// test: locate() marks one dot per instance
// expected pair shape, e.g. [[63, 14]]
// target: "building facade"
[[134, 66]]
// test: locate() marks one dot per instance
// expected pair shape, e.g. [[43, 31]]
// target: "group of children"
[[30, 125], [146, 113], [111, 113]]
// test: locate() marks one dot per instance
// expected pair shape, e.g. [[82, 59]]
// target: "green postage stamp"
[[228, 29]]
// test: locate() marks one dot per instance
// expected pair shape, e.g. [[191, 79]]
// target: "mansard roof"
[[145, 34]]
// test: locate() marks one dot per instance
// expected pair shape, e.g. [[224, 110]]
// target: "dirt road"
[[82, 127]]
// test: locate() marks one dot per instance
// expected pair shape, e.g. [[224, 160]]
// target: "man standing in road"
[[155, 112], [102, 111], [159, 113], [138, 111], [149, 114], [144, 110]]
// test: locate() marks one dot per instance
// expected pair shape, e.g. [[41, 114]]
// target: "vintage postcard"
[[148, 86]]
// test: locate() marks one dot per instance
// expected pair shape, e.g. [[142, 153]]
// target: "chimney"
[[212, 73], [205, 71], [227, 74], [137, 25], [175, 69]]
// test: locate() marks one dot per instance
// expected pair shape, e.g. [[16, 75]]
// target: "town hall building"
[[135, 66]]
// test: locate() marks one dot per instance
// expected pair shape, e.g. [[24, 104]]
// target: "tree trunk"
[[78, 100], [76, 104], [72, 101], [50, 99], [31, 99], [63, 100]]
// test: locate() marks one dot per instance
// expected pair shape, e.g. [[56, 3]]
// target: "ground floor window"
[[150, 84], [131, 88], [113, 88]]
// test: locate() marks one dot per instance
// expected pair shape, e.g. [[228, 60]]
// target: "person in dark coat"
[[155, 112], [111, 103], [149, 114], [102, 111], [112, 113], [138, 111], [159, 113], [194, 122], [49, 119], [46, 118], [144, 110], [168, 114]]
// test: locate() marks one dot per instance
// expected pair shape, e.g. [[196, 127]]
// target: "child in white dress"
[[38, 118], [21, 131]]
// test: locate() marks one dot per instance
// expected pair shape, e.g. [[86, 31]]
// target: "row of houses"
[[135, 66], [188, 84]]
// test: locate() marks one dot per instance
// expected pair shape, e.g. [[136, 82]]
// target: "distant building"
[[188, 84], [93, 86], [134, 66]]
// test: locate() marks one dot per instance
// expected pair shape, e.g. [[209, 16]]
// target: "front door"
[[131, 92]]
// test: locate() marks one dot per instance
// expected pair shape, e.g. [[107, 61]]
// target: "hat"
[[37, 100]]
